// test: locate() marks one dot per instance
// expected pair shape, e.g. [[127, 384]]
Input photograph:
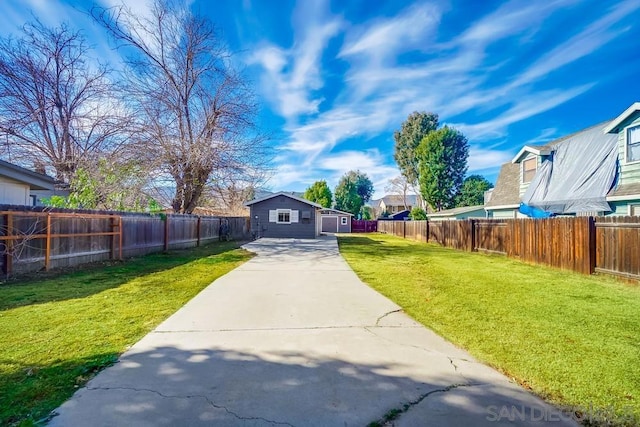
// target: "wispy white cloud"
[[410, 29], [292, 74], [590, 39]]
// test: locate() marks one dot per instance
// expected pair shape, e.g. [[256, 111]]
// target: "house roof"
[[548, 147], [397, 200], [457, 211], [282, 193], [632, 189], [402, 214], [337, 211], [507, 189], [616, 124], [35, 180], [540, 150]]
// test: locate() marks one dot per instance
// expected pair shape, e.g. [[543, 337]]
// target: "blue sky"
[[336, 79]]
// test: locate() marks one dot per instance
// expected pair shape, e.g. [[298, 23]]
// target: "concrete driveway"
[[294, 338]]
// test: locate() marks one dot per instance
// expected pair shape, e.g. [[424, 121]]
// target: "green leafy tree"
[[366, 212], [418, 214], [319, 193], [472, 191], [353, 190], [108, 185], [407, 139], [442, 157]]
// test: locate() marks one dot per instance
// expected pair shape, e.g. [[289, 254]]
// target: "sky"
[[335, 79]]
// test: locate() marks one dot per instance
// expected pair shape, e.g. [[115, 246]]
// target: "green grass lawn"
[[572, 339], [57, 332]]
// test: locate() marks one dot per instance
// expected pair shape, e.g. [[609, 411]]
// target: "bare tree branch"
[[56, 106], [196, 113]]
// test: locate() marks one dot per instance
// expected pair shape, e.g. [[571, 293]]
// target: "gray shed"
[[284, 215], [335, 221]]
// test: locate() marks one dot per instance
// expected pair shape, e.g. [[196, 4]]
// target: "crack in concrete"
[[395, 413], [201, 396], [387, 314], [455, 367]]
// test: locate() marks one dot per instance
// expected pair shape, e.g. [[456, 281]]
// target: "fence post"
[[120, 238], [198, 231], [404, 229], [47, 250], [112, 223], [473, 235], [166, 232], [8, 258], [427, 231], [591, 249]]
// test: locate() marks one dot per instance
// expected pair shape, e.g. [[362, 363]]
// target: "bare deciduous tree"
[[56, 105], [196, 113], [400, 186]]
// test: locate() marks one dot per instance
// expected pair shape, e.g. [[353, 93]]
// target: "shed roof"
[[35, 180], [282, 193], [336, 211]]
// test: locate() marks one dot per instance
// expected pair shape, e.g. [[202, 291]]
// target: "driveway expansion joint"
[[191, 396]]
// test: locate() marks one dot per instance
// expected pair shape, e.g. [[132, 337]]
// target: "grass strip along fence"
[[608, 245], [570, 338], [57, 332]]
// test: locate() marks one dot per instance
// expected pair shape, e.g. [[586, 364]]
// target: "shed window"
[[284, 216], [633, 144], [529, 167], [343, 220]]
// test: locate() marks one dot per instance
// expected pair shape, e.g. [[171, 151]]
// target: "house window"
[[634, 210], [633, 144], [529, 167], [284, 216], [343, 220]]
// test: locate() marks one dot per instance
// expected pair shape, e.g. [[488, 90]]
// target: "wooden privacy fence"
[[363, 226], [583, 244], [31, 240]]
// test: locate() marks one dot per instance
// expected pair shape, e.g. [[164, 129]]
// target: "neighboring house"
[[394, 203], [624, 199], [503, 200], [284, 215], [20, 186], [399, 216], [595, 171], [335, 221], [465, 212]]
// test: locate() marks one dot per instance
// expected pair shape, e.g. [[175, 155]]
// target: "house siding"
[[261, 226], [621, 208], [525, 186], [505, 214], [13, 192], [628, 172], [344, 228]]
